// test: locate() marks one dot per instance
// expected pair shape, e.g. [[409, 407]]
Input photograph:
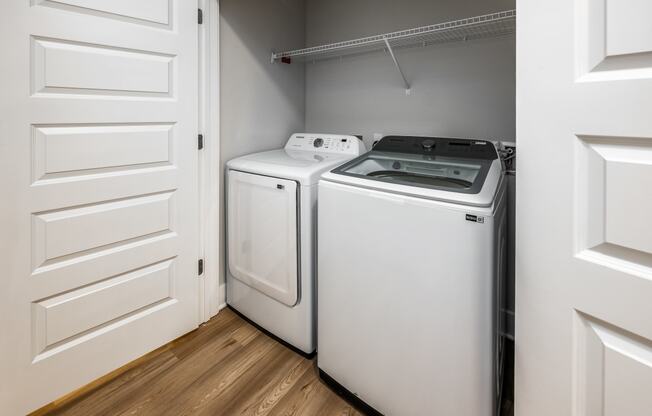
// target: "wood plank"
[[265, 385], [265, 401], [306, 399], [226, 367]]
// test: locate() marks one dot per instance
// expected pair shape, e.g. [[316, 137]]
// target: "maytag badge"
[[475, 218]]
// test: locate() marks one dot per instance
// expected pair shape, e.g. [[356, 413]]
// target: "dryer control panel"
[[326, 143]]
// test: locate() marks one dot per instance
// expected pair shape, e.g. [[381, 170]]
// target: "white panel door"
[[98, 173], [262, 234], [584, 200]]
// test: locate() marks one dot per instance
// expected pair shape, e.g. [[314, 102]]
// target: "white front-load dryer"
[[411, 246], [271, 233]]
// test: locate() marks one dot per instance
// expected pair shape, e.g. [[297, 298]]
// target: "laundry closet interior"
[[275, 207], [373, 69]]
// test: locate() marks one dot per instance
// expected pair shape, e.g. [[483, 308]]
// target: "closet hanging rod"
[[485, 26]]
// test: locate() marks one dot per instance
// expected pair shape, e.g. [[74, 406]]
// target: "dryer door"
[[262, 231]]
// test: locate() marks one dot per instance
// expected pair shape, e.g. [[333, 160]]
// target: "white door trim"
[[209, 160]]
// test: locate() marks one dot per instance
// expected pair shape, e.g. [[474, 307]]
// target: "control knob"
[[428, 145]]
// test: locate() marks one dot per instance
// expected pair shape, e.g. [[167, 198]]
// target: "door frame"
[[210, 171]]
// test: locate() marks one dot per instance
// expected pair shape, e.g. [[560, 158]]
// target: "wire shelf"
[[478, 27]]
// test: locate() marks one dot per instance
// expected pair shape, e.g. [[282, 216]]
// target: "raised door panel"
[[614, 39], [614, 370], [141, 11], [628, 27], [69, 67], [613, 176], [76, 230], [74, 150]]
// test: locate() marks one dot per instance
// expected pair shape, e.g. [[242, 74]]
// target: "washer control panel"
[[326, 143]]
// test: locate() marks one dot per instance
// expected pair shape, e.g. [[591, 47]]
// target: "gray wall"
[[459, 89], [261, 104]]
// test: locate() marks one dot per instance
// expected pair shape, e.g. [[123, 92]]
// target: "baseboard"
[[341, 391]]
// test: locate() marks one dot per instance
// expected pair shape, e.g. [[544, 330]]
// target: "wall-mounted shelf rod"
[[485, 26], [462, 30]]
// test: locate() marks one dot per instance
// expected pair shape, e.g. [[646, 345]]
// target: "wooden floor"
[[226, 367]]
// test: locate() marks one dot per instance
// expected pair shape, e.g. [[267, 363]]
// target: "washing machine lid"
[[453, 170]]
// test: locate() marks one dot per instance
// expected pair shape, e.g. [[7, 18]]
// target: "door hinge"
[[200, 267], [200, 16], [200, 141]]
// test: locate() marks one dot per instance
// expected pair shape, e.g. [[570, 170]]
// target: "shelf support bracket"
[[398, 66]]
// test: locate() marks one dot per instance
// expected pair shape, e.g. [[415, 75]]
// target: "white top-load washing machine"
[[271, 233], [411, 244]]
